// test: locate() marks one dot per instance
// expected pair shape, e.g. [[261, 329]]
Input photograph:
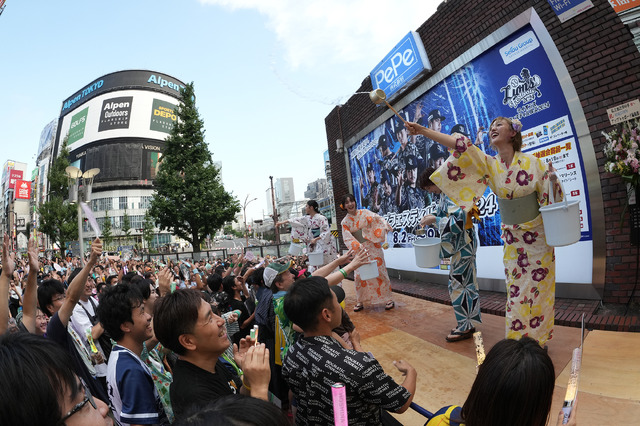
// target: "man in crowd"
[[59, 306], [371, 197], [185, 323], [408, 195], [133, 396], [317, 360]]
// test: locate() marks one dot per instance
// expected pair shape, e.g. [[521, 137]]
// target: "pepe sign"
[[78, 123], [115, 113]]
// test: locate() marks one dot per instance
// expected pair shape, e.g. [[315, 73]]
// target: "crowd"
[[104, 340]]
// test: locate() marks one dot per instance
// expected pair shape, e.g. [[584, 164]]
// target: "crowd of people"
[[103, 340]]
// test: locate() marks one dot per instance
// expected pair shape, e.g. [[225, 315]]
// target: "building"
[[285, 196], [16, 205], [558, 69], [118, 123]]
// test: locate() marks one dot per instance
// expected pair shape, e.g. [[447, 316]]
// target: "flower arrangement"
[[622, 153]]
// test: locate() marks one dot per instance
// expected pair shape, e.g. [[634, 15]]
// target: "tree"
[[107, 235], [189, 199], [126, 226], [147, 229], [59, 219]]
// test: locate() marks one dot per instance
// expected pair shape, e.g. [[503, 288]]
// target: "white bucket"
[[316, 259], [427, 251], [369, 270], [296, 249], [561, 220]]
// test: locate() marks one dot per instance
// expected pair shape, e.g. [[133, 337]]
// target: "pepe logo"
[[521, 89]]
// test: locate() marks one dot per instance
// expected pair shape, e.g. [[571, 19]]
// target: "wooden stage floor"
[[609, 389]]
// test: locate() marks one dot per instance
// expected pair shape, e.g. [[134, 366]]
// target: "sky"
[[266, 72]]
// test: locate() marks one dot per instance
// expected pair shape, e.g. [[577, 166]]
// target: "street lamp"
[[244, 211], [74, 175]]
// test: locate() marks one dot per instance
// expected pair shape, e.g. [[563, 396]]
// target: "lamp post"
[[244, 211], [75, 174]]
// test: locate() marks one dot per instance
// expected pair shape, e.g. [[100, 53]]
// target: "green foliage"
[[147, 229], [59, 219], [190, 200], [107, 234], [126, 226]]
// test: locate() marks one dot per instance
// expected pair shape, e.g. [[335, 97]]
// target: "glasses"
[[87, 398]]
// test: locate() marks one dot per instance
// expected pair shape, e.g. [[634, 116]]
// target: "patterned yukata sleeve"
[[375, 231], [349, 240], [299, 227], [325, 232], [452, 230], [465, 175]]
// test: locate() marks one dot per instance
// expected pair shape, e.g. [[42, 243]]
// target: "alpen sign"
[[406, 62]]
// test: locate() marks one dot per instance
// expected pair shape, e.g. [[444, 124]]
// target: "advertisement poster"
[[23, 190], [162, 116], [115, 113], [513, 79], [78, 124]]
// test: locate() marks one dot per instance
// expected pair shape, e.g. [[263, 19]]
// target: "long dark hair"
[[314, 204], [514, 386]]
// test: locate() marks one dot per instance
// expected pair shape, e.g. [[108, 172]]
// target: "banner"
[[514, 79], [78, 123], [23, 190], [115, 113], [14, 176], [162, 116]]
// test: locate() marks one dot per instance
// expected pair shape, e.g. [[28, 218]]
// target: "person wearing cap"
[[317, 360], [387, 195], [522, 184], [408, 195], [462, 129], [313, 230], [370, 199], [389, 161], [460, 244], [437, 155], [433, 121], [407, 147]]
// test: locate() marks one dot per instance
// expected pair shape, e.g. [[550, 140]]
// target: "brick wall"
[[603, 62]]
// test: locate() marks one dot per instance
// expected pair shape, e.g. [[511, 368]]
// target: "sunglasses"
[[87, 398]]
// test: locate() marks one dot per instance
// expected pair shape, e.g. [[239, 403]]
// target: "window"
[[145, 202], [122, 203]]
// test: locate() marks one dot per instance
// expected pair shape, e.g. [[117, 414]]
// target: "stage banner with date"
[[513, 79]]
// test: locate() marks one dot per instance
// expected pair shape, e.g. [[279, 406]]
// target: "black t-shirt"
[[193, 385], [244, 315]]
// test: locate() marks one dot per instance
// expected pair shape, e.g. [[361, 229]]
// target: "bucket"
[[561, 220], [427, 251], [369, 270], [316, 259], [296, 249]]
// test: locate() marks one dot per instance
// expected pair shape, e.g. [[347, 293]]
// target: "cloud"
[[332, 32]]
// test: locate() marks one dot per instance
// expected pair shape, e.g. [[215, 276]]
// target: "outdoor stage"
[[609, 388]]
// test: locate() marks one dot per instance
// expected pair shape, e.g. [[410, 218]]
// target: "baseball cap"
[[273, 270], [460, 128], [338, 291]]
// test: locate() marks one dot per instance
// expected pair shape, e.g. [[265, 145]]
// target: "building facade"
[[118, 123]]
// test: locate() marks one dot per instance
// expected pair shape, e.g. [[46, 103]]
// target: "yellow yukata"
[[529, 262], [373, 227]]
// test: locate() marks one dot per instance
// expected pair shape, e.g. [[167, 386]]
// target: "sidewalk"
[[568, 311]]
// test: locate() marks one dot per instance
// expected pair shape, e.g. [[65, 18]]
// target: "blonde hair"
[[516, 141]]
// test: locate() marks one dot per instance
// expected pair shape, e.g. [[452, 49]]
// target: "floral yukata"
[[306, 228], [529, 262], [460, 245], [373, 227]]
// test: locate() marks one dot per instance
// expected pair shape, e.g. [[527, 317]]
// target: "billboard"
[[120, 159], [514, 78], [14, 176], [129, 113], [23, 190]]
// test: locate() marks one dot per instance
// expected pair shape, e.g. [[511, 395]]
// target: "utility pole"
[[275, 212]]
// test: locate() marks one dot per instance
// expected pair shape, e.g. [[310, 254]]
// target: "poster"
[[513, 79]]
